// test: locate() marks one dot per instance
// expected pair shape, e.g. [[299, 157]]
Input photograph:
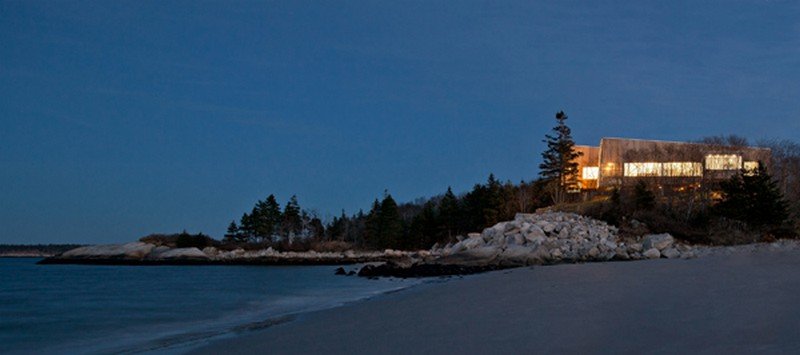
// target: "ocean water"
[[81, 309]]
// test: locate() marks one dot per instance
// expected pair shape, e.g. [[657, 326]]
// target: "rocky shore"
[[140, 253], [534, 239], [530, 239]]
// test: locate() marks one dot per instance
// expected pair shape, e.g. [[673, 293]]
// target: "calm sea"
[[127, 309]]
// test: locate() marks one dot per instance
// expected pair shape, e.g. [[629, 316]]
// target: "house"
[[618, 162]]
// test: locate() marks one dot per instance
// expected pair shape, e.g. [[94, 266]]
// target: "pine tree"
[[246, 228], [643, 198], [559, 166], [372, 229], [753, 198], [292, 222], [232, 234], [391, 226], [424, 228], [267, 218], [448, 212], [492, 201]]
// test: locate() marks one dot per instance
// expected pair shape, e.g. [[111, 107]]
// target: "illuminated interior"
[[590, 173], [678, 169], [723, 162], [751, 165], [642, 169]]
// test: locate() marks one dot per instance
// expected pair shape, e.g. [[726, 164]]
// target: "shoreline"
[[278, 261], [255, 327], [736, 299]]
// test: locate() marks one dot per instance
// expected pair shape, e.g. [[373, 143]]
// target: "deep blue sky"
[[118, 119]]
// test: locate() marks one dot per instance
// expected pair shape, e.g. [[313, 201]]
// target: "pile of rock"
[[554, 237]]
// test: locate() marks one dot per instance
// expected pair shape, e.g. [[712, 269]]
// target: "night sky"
[[118, 119]]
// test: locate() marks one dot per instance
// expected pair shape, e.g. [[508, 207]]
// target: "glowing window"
[[642, 169], [751, 165], [591, 173], [677, 169], [723, 162]]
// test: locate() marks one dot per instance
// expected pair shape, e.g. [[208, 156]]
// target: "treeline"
[[389, 225], [267, 223], [36, 249]]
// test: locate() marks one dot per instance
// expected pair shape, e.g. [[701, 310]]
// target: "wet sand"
[[743, 302]]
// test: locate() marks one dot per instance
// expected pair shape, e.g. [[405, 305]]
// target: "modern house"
[[618, 161]]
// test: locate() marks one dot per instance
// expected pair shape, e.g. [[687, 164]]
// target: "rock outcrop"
[[140, 253], [129, 251], [554, 237]]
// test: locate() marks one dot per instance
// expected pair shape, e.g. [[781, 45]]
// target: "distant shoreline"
[[185, 262]]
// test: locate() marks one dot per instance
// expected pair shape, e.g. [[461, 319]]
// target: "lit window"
[[591, 173], [723, 162], [751, 168], [642, 169], [677, 169]]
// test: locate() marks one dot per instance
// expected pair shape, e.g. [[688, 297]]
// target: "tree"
[[492, 201], [291, 223], [391, 227], [232, 234], [246, 228], [753, 198], [267, 215], [424, 227], [559, 166], [372, 229], [643, 198], [449, 213]]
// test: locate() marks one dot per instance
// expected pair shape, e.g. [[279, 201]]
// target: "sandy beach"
[[734, 302]]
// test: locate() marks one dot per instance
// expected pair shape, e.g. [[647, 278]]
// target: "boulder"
[[671, 253], [180, 254], [479, 256], [621, 254], [658, 241], [135, 250], [472, 243], [514, 255], [534, 231], [652, 253]]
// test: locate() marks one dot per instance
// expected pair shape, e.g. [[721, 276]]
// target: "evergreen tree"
[[559, 166], [753, 198], [232, 234], [246, 228], [449, 213], [492, 201], [269, 218], [424, 228], [292, 222], [643, 198], [372, 229], [390, 225]]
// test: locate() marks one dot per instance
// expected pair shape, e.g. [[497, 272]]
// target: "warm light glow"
[[678, 169], [751, 165], [723, 162], [591, 173], [642, 169]]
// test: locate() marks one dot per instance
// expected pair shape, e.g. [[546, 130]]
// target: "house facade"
[[618, 162]]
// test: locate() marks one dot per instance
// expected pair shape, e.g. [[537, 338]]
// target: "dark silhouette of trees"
[[643, 198], [753, 198], [559, 166], [389, 225]]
